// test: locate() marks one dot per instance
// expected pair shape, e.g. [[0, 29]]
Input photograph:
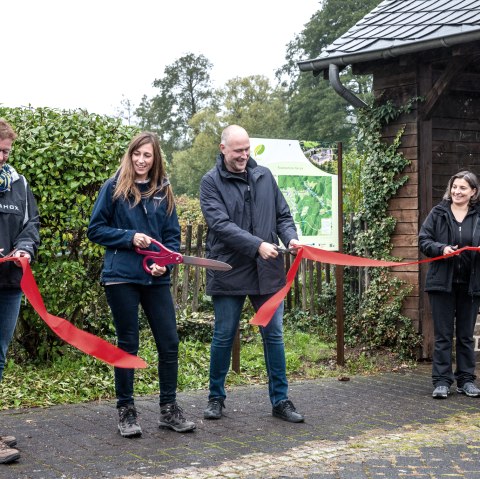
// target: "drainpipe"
[[334, 78]]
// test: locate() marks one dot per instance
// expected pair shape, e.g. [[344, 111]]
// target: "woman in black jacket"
[[453, 284], [134, 207], [19, 236]]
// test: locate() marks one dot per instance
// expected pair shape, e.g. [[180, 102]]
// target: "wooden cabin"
[[428, 49]]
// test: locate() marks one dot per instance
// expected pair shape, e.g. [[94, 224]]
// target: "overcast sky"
[[88, 54]]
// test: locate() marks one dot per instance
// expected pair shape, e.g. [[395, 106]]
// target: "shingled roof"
[[398, 27]]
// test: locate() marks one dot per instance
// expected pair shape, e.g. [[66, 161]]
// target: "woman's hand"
[[158, 270], [141, 240]]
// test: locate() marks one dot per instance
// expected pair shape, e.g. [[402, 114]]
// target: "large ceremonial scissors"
[[165, 256]]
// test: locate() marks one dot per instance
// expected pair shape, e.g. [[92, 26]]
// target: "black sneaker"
[[214, 408], [286, 410], [8, 454], [469, 389], [127, 423], [171, 416]]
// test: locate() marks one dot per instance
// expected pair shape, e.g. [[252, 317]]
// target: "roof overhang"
[[319, 64]]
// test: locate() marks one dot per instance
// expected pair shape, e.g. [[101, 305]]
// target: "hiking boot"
[[441, 392], [8, 454], [214, 408], [469, 389], [127, 423], [286, 410], [171, 416], [10, 441]]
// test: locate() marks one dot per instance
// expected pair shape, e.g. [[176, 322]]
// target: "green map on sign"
[[310, 202]]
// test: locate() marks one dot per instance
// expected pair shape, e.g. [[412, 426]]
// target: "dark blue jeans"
[[10, 300], [228, 310], [456, 311], [156, 301]]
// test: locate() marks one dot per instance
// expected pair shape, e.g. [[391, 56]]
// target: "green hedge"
[[66, 156]]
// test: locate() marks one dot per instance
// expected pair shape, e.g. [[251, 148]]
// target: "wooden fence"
[[188, 282]]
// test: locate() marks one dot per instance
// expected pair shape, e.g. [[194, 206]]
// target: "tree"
[[251, 102], [184, 89], [315, 110], [191, 164], [254, 104], [126, 111]]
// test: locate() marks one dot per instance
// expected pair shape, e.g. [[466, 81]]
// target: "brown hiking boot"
[[10, 441], [8, 454]]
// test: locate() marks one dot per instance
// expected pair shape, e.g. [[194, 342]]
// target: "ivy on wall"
[[374, 319]]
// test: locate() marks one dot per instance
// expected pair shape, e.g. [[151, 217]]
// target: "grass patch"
[[74, 377]]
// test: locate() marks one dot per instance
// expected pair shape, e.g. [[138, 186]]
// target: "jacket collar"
[[251, 165]]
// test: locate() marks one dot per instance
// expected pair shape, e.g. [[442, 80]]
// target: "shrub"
[[66, 156]]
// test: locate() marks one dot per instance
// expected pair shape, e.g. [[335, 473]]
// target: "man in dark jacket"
[[246, 214], [19, 236]]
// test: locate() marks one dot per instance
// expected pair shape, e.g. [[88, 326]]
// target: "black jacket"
[[19, 227], [240, 215], [437, 232]]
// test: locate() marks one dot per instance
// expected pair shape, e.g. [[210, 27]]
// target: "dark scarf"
[[5, 178]]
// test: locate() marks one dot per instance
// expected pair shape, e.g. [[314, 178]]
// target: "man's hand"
[[267, 250], [21, 254], [450, 249], [292, 246]]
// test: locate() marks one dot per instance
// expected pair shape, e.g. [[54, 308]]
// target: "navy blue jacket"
[[437, 231], [114, 223], [19, 227], [240, 215]]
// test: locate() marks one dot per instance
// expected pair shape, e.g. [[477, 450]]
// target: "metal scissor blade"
[[206, 263]]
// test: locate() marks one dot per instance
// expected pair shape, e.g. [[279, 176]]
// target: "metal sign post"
[[338, 268]]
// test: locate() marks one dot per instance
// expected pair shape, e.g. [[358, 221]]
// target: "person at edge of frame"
[[453, 284], [134, 207], [19, 236], [246, 214]]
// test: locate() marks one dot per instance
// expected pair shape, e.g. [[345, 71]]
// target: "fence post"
[[236, 352]]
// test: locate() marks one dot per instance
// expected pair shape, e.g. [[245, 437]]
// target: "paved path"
[[382, 426]]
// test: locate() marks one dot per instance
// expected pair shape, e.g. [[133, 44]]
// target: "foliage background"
[[66, 157]]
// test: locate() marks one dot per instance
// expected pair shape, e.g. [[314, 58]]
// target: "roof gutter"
[[334, 79], [321, 64]]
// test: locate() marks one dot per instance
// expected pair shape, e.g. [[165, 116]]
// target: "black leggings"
[[157, 303]]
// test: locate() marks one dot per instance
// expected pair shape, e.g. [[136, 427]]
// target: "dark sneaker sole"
[[14, 456], [175, 428], [11, 443], [130, 434], [440, 396], [280, 416], [211, 416], [461, 391]]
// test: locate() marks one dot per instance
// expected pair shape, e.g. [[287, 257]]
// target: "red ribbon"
[[85, 342], [264, 314]]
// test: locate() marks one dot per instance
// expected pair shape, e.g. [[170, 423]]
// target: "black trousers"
[[157, 303], [453, 312]]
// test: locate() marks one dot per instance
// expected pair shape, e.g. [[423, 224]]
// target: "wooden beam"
[[441, 86]]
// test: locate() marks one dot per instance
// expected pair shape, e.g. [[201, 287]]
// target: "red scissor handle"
[[161, 258]]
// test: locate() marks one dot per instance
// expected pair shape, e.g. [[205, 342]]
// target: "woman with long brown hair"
[[135, 206]]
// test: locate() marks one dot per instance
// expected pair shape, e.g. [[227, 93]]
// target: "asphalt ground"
[[378, 426]]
